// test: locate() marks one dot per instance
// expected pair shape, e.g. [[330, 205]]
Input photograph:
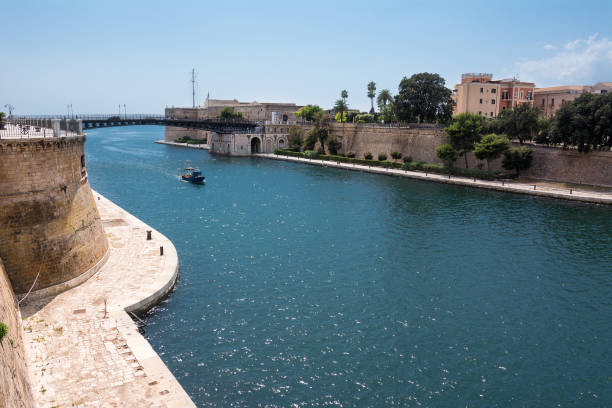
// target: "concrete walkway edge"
[[509, 187]]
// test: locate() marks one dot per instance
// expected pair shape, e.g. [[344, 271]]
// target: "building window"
[[521, 94], [491, 114], [504, 95], [529, 95], [481, 90], [493, 90], [552, 102], [492, 101], [480, 100], [504, 108], [543, 102], [479, 112]]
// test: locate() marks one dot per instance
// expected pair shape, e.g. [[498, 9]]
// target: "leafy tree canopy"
[[491, 147], [517, 159], [423, 98], [465, 130], [308, 112], [228, 113], [519, 123], [585, 122], [447, 154]]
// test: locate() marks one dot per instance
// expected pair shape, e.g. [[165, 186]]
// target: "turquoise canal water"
[[307, 286]]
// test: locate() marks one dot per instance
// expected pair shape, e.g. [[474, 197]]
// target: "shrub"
[[3, 331], [396, 155], [407, 159], [351, 155], [382, 157], [310, 154], [387, 164], [368, 156], [447, 154]]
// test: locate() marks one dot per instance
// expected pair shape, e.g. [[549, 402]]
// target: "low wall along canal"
[[306, 285]]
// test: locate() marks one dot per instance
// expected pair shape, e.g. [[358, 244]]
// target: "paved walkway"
[[83, 348], [191, 146], [11, 131], [507, 186]]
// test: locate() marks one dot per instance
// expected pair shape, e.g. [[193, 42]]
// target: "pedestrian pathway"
[[83, 348], [499, 185], [191, 146]]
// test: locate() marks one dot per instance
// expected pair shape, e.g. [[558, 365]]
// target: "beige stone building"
[[551, 98], [253, 111], [479, 93]]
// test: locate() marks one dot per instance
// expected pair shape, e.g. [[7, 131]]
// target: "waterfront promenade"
[[191, 146], [83, 347], [507, 186]]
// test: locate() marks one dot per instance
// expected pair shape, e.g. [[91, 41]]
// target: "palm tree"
[[320, 128], [344, 95], [384, 97], [341, 107], [372, 94]]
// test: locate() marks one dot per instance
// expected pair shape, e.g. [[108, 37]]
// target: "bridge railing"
[[94, 116], [22, 128]]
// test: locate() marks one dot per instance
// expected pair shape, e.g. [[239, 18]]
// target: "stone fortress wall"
[[551, 164], [15, 390], [48, 218]]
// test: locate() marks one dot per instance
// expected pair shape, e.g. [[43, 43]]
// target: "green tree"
[[447, 154], [340, 107], [520, 123], [517, 159], [344, 95], [365, 118], [384, 97], [227, 113], [333, 145], [491, 147], [465, 130], [586, 122], [296, 137], [2, 120], [308, 112], [396, 155], [423, 98], [371, 94], [319, 131]]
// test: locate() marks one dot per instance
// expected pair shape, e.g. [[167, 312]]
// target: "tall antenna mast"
[[193, 81]]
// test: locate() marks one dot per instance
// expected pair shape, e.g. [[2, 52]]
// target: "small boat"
[[192, 175]]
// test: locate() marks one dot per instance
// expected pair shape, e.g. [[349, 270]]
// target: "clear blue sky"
[[96, 55]]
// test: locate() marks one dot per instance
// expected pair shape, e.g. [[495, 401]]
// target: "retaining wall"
[[552, 164], [48, 219], [15, 391]]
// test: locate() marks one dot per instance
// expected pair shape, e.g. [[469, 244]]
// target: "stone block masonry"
[[83, 348], [15, 390], [49, 224]]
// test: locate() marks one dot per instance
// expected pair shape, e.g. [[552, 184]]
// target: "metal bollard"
[[502, 182], [148, 235], [161, 251], [534, 186], [570, 191]]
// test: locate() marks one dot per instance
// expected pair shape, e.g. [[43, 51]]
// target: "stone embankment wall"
[[48, 218], [173, 133], [418, 143], [15, 391], [552, 164]]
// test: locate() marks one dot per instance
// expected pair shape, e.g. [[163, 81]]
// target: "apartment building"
[[479, 93], [551, 98]]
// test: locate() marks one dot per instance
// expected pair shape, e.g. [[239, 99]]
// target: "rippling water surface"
[[307, 286]]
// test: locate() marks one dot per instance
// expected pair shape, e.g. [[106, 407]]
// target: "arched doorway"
[[281, 144], [269, 146], [255, 145]]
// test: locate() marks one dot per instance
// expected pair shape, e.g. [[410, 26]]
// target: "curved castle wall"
[[48, 217]]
